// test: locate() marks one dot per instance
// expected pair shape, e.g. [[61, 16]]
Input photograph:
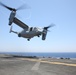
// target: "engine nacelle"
[[44, 34], [11, 18]]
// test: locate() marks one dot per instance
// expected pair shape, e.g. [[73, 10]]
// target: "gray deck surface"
[[41, 66]]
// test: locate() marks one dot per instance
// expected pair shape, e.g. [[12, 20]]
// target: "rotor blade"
[[24, 6], [6, 6], [49, 26], [48, 30]]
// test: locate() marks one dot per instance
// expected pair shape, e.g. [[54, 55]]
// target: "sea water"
[[42, 54]]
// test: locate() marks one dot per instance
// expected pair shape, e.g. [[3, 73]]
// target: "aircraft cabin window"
[[31, 28], [35, 28]]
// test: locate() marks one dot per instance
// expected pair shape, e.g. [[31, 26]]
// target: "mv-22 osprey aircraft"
[[27, 32]]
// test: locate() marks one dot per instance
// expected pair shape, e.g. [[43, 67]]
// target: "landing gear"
[[28, 39], [38, 35], [19, 35]]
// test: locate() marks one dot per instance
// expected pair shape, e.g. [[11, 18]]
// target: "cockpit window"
[[34, 28]]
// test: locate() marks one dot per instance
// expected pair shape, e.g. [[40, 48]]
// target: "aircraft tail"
[[12, 30]]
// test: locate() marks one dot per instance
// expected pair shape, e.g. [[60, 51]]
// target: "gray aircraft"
[[27, 32]]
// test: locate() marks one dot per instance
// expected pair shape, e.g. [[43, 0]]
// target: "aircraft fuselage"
[[30, 34]]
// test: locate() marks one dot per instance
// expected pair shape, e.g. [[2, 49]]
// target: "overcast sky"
[[62, 37]]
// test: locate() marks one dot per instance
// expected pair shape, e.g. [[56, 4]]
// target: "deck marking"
[[49, 62], [36, 66]]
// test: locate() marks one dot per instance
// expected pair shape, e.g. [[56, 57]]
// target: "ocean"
[[51, 54]]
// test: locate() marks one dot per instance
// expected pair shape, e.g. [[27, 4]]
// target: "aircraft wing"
[[20, 23]]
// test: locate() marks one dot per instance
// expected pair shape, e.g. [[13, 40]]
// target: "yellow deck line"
[[49, 62]]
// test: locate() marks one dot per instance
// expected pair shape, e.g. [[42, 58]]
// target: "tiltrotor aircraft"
[[27, 32]]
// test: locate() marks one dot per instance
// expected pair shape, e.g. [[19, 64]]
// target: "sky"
[[61, 38]]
